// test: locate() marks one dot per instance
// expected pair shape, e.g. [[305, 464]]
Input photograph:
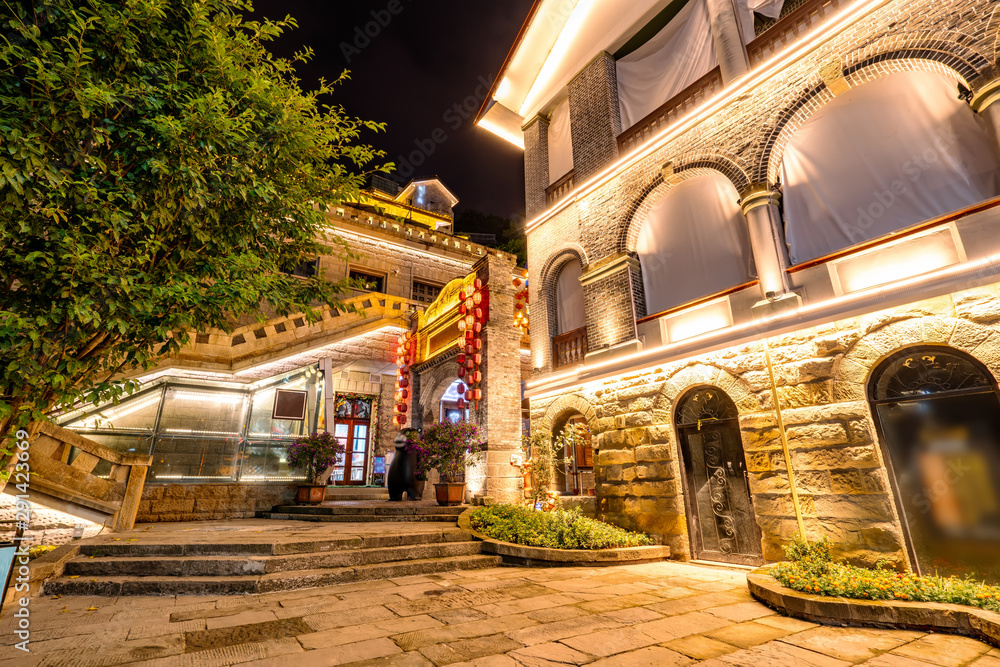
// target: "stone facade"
[[210, 502], [820, 377]]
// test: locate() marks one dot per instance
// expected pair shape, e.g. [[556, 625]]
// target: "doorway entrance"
[[575, 476], [938, 416], [352, 428], [721, 520]]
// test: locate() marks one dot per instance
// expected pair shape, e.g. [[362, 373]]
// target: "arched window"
[[938, 416], [720, 512], [882, 157], [694, 243]]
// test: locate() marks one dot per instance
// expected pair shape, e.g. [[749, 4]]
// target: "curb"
[[899, 615], [519, 554]]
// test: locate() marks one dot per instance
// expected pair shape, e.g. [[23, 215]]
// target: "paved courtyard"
[[654, 614]]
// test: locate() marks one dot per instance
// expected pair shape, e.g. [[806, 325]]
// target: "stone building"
[[765, 237], [208, 415]]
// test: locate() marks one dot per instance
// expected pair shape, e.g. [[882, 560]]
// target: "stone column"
[[499, 414], [594, 117], [733, 62], [536, 165], [760, 206], [986, 102]]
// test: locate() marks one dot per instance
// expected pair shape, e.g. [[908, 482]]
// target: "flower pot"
[[418, 487], [310, 495], [449, 494]]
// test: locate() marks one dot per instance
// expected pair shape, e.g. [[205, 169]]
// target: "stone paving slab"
[[622, 616]]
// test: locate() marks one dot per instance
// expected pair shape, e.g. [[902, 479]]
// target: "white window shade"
[[694, 243], [570, 314], [560, 142], [882, 157], [746, 9], [680, 54]]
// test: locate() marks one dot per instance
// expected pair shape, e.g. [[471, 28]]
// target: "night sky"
[[431, 56]]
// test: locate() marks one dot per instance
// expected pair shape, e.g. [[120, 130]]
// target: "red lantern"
[[400, 419], [461, 388], [470, 363], [477, 359], [404, 369], [461, 357], [477, 327], [404, 383], [461, 295], [403, 394], [469, 349], [468, 395], [478, 284], [461, 404], [461, 372], [477, 376], [401, 407], [477, 394], [479, 313], [469, 335], [517, 282], [478, 343], [461, 309]]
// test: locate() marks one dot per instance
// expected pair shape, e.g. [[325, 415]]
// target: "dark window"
[[425, 292], [306, 269], [367, 281]]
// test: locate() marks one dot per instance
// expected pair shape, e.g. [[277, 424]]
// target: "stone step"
[[356, 496], [357, 518], [260, 583], [393, 510], [356, 493], [225, 566], [262, 548]]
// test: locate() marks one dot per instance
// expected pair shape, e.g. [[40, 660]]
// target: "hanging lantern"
[[478, 284], [469, 335], [461, 357], [461, 325], [479, 314], [469, 320], [477, 377], [477, 394], [401, 407], [460, 389], [477, 358], [404, 369], [403, 394], [461, 404], [477, 327], [478, 343], [517, 282], [400, 419], [461, 372], [470, 363], [404, 383], [517, 306], [469, 302], [461, 295], [461, 309], [468, 395], [477, 298], [469, 349]]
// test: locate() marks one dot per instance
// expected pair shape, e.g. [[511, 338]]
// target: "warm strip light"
[[194, 476], [203, 396], [554, 60], [490, 126], [188, 430], [751, 80], [409, 249], [265, 478], [946, 272], [117, 413]]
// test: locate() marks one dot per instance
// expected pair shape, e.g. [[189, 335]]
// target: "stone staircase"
[[339, 493], [365, 511], [244, 566]]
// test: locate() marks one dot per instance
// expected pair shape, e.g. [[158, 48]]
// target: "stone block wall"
[[210, 502], [833, 451]]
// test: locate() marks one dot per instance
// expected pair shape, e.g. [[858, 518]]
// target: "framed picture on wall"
[[289, 404]]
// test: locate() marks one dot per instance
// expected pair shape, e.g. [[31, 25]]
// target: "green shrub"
[[811, 569], [560, 529]]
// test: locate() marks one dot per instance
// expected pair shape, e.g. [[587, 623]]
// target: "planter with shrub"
[[313, 455]]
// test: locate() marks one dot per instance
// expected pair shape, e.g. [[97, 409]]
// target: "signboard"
[[290, 404]]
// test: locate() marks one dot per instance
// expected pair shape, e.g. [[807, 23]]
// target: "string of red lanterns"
[[521, 302], [473, 311], [406, 350]]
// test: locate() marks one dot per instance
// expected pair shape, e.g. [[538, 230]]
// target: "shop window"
[[938, 417], [306, 269]]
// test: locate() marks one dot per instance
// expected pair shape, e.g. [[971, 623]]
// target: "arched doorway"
[[938, 416], [721, 520], [575, 473]]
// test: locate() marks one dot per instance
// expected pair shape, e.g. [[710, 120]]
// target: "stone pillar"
[[499, 414], [610, 286], [760, 206], [536, 165], [986, 102], [733, 62], [595, 117]]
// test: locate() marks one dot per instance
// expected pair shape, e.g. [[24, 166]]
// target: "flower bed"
[[811, 569], [559, 529]]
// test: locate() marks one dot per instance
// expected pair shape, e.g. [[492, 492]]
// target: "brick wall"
[[594, 116], [536, 165]]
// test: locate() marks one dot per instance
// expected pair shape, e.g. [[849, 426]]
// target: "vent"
[[279, 327], [345, 375], [375, 378], [238, 339], [260, 333], [299, 322], [201, 339]]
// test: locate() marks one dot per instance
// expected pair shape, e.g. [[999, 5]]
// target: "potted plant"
[[313, 454], [451, 447], [415, 448]]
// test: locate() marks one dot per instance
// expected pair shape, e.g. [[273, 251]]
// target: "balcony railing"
[[791, 27], [559, 189], [698, 92], [570, 348]]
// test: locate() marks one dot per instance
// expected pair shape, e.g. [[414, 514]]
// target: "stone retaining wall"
[[209, 502], [820, 376]]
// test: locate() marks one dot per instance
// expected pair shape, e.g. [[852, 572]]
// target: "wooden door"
[[353, 429]]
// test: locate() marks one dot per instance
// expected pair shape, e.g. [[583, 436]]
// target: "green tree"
[[158, 168]]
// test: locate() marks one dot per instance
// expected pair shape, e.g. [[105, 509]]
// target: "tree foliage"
[[158, 168]]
